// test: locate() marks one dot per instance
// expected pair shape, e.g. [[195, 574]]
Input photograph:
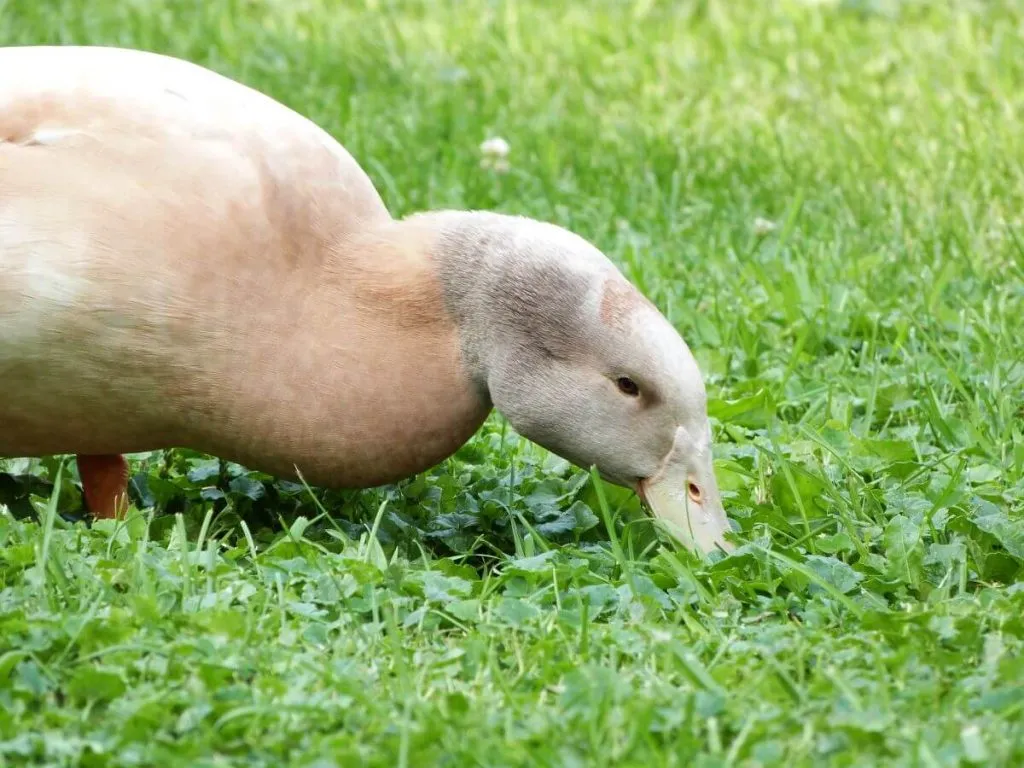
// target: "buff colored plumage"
[[186, 262]]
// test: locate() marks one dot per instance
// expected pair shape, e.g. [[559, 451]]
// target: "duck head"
[[581, 363]]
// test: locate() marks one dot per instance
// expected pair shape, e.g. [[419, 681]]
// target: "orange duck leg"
[[105, 484]]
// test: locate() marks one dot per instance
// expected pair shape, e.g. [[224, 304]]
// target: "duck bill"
[[697, 523]]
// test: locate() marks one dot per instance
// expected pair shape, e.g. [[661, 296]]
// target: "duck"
[[187, 262]]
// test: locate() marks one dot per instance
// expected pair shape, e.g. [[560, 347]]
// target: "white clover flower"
[[495, 147], [495, 155], [763, 227]]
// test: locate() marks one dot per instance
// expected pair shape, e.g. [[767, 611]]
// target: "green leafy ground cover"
[[824, 197]]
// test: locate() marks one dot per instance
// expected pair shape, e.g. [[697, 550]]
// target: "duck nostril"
[[694, 491]]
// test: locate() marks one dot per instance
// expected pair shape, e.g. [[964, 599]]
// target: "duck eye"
[[627, 386]]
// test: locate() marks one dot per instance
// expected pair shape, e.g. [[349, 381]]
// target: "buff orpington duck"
[[185, 262]]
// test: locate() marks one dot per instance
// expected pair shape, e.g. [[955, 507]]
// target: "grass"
[[825, 198]]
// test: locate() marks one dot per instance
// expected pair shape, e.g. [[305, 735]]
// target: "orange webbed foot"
[[105, 484]]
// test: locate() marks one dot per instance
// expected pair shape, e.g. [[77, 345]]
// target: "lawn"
[[826, 199]]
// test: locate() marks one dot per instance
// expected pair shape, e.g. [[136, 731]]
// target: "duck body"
[[185, 262]]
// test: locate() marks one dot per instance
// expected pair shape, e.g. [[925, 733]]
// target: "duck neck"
[[464, 258], [507, 286]]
